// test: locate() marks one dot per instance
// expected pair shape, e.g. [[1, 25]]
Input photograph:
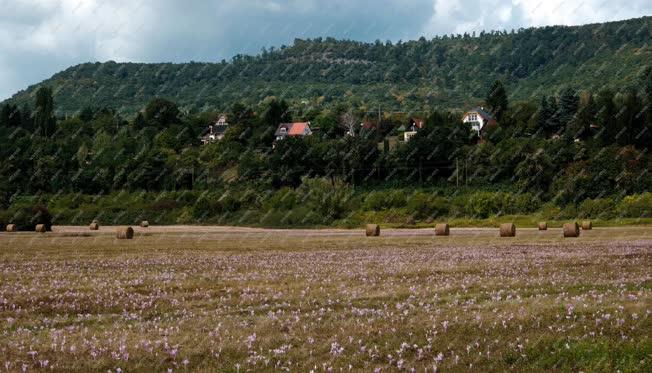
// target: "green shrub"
[[397, 198], [457, 206], [568, 212], [305, 216], [273, 218], [184, 197], [215, 203], [422, 205], [332, 200], [247, 217], [604, 208], [636, 206], [228, 202], [550, 211], [383, 200], [484, 204], [68, 201], [202, 209], [162, 204], [185, 216], [375, 201], [523, 203], [283, 199], [417, 204]]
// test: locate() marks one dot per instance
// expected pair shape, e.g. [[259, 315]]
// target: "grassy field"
[[246, 299]]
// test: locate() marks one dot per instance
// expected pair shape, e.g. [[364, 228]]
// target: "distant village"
[[478, 119]]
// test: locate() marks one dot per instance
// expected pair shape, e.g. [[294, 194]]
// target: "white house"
[[215, 132], [415, 125], [479, 119]]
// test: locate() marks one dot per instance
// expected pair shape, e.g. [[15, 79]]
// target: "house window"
[[473, 117]]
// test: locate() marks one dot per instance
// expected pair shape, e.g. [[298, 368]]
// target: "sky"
[[41, 37]]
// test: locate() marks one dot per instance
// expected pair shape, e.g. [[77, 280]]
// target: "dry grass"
[[234, 299]]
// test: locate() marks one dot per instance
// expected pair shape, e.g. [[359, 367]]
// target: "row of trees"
[[570, 147]]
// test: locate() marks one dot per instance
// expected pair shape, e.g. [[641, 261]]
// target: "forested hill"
[[447, 71]]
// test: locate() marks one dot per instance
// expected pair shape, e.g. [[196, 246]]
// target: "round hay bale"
[[144, 224], [587, 225], [94, 226], [11, 228], [507, 230], [571, 229], [543, 226], [40, 228], [442, 229], [125, 233], [372, 230]]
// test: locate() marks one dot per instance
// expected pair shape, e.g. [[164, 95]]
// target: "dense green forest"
[[120, 142], [451, 71], [571, 153]]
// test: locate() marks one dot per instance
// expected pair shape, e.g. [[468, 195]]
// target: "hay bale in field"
[[144, 224], [587, 225], [372, 230], [543, 226], [571, 229], [40, 228], [11, 228], [442, 229], [94, 226], [507, 230], [125, 233]]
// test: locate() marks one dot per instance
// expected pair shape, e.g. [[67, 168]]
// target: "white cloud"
[[477, 15], [563, 12]]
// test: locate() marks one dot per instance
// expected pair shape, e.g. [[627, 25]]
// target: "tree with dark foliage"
[[497, 100], [44, 120]]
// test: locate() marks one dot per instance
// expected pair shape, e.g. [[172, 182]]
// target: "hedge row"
[[315, 202]]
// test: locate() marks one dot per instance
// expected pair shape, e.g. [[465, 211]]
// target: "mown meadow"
[[326, 300]]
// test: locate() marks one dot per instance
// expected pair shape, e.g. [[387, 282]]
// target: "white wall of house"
[[221, 121], [407, 135], [475, 120], [282, 133]]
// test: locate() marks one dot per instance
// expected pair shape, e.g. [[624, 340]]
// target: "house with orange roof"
[[299, 129]]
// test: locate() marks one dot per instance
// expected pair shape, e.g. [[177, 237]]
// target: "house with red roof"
[[300, 129]]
